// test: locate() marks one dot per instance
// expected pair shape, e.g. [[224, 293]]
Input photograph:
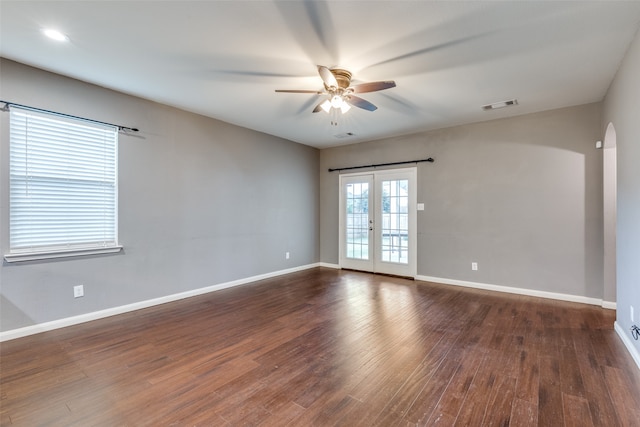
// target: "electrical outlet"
[[78, 291], [474, 266], [286, 255], [633, 318]]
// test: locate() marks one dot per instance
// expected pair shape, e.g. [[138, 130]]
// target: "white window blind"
[[63, 183]]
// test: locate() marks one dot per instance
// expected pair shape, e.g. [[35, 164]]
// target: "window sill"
[[37, 256]]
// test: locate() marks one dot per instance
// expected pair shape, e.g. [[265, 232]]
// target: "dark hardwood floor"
[[329, 347]]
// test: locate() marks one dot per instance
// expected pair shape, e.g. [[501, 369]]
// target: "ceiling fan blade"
[[356, 101], [373, 86], [317, 92], [318, 108], [327, 76], [304, 108]]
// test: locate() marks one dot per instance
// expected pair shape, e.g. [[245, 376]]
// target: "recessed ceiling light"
[[55, 35], [501, 104]]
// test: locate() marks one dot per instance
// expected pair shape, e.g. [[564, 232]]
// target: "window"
[[63, 186]]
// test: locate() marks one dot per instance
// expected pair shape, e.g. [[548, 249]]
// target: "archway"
[[609, 199]]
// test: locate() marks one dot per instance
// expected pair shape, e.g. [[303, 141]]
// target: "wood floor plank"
[[400, 403], [625, 398], [571, 382], [453, 397], [477, 399], [426, 401], [500, 402], [523, 413], [576, 411], [550, 411], [328, 347], [528, 380], [284, 416], [603, 412]]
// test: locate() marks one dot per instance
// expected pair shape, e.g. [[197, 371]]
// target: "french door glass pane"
[[395, 221], [358, 221]]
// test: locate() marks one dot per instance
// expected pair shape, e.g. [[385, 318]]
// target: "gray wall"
[[520, 196], [201, 203], [622, 108]]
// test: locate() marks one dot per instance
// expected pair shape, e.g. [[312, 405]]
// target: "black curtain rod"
[[430, 160], [7, 105]]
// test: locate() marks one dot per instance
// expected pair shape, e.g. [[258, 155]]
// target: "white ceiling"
[[224, 59]]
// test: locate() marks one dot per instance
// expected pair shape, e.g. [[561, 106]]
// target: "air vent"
[[344, 135], [501, 104]]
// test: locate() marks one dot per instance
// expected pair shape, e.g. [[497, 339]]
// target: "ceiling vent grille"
[[501, 104], [344, 135]]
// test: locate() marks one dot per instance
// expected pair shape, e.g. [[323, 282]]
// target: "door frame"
[[377, 265]]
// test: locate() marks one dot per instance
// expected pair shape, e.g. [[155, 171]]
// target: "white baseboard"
[[74, 320], [627, 342], [519, 291], [609, 305], [328, 265]]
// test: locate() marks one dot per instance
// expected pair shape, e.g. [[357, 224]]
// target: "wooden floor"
[[328, 347]]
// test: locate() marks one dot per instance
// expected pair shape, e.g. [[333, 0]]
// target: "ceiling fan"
[[340, 93]]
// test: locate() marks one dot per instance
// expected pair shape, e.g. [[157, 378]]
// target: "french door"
[[378, 221]]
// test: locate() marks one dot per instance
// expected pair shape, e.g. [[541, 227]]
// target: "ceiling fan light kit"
[[339, 92]]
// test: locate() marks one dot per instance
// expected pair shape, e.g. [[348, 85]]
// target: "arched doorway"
[[609, 198]]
